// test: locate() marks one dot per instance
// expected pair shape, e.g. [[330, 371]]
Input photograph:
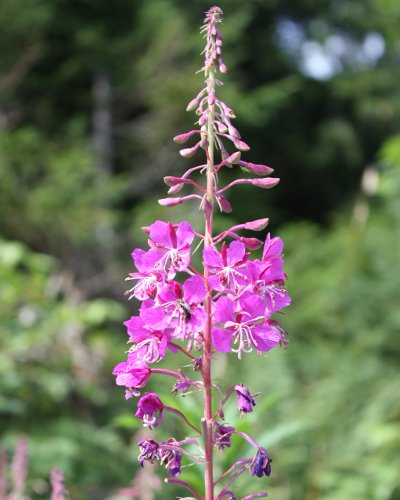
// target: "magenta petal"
[[159, 233], [253, 304], [184, 233], [235, 252], [155, 318], [224, 310], [194, 290], [266, 337], [215, 283], [221, 339], [273, 248], [212, 258]]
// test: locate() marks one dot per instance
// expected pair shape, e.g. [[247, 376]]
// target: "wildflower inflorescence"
[[226, 307]]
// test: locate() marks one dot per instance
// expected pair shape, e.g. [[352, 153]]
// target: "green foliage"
[[56, 349]]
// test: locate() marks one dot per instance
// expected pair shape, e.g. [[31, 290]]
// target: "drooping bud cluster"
[[228, 306]]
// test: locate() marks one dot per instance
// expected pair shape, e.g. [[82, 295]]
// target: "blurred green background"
[[91, 94]]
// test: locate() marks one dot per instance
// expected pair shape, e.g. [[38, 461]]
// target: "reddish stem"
[[185, 484]]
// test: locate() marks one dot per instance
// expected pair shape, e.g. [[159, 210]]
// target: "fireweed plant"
[[227, 306]]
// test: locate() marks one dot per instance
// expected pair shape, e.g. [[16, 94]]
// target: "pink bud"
[[234, 132], [192, 104], [175, 189], [257, 168], [251, 243], [265, 183], [230, 160], [170, 202], [233, 158], [203, 119], [242, 146], [189, 152], [145, 229], [221, 127], [222, 67], [256, 225], [180, 139], [224, 204], [170, 180]]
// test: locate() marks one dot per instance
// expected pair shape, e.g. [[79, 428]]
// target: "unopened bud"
[[192, 104], [170, 202], [170, 180], [265, 182], [181, 138], [234, 132], [189, 152], [256, 225], [224, 204], [256, 168], [223, 68], [233, 158], [242, 146], [251, 243], [175, 189]]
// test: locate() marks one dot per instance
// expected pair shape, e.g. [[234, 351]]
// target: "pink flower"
[[147, 278], [245, 326], [149, 345], [170, 247], [133, 377], [266, 279], [179, 308], [226, 267], [150, 410]]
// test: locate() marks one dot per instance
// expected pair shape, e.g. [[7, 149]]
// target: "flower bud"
[[175, 189], [231, 159], [181, 138], [256, 168], [256, 225], [251, 243], [265, 183], [170, 180], [189, 152], [242, 146], [221, 127], [234, 132], [222, 67], [193, 104], [223, 204], [170, 202]]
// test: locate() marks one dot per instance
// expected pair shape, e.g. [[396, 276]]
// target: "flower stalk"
[[227, 306]]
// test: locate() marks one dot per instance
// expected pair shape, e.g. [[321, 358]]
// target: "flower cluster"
[[227, 306]]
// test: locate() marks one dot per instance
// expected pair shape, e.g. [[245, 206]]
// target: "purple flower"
[[149, 346], [181, 385], [245, 326], [266, 279], [245, 400], [131, 376], [222, 435], [170, 247], [226, 267], [170, 457], [148, 451], [147, 278], [150, 410], [261, 464], [179, 308]]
